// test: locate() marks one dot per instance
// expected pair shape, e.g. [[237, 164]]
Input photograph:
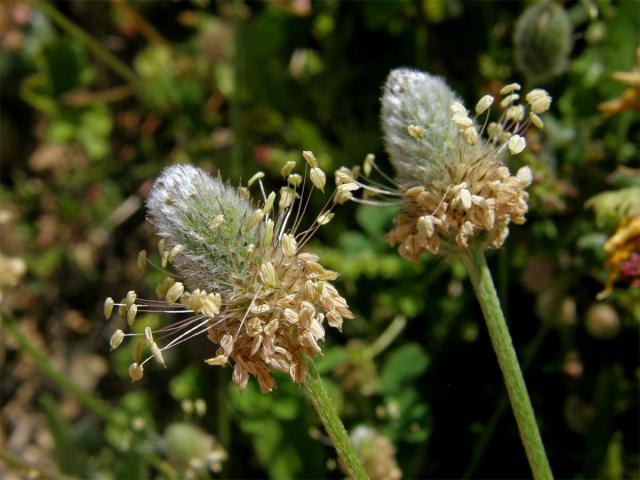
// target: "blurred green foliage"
[[241, 86]]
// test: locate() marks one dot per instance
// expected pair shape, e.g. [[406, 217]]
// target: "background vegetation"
[[88, 121]]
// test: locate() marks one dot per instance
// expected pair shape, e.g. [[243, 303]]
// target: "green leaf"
[[403, 365]]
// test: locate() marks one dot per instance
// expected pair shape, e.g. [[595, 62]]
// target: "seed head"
[[451, 181], [241, 279]]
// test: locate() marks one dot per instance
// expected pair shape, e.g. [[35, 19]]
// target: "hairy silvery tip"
[[416, 120], [184, 203]]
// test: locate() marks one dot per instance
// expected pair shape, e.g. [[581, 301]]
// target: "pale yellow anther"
[[342, 197], [415, 131], [324, 218], [494, 129], [343, 175], [287, 168], [470, 135], [244, 192], [483, 104], [464, 198], [131, 314], [174, 293], [268, 205], [536, 120], [525, 176], [148, 335], [517, 144], [287, 195], [425, 226], [462, 121], [255, 178], [212, 304], [216, 361], [165, 259], [108, 307], [196, 300], [254, 219], [507, 89], [267, 236], [216, 222], [161, 246], [539, 100], [116, 339], [290, 315], [131, 297], [289, 245], [368, 164], [458, 109], [318, 178], [136, 372], [268, 275], [294, 179], [509, 99], [515, 113], [348, 187], [157, 354], [175, 251], [142, 259], [310, 158]]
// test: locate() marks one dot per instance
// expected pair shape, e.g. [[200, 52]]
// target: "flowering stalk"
[[333, 425], [457, 195], [476, 264]]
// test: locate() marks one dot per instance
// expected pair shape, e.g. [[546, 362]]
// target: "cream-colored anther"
[[483, 104], [318, 178], [268, 205], [219, 360], [287, 168], [415, 131], [254, 219], [116, 339], [131, 314], [324, 218], [255, 178], [108, 307], [289, 245], [268, 275], [136, 372], [174, 293], [310, 158], [148, 335], [517, 144], [507, 89]]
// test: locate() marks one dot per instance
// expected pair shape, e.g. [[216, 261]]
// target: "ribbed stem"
[[333, 425], [508, 361]]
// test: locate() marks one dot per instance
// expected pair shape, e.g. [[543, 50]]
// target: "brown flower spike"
[[243, 279]]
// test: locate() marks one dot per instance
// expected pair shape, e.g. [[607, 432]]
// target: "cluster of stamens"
[[268, 307], [476, 197]]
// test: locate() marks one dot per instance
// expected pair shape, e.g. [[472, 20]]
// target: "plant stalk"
[[482, 282], [333, 425]]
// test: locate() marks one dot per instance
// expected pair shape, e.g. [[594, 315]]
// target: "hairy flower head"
[[242, 275], [452, 183]]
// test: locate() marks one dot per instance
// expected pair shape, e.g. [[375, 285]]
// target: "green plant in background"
[[89, 115], [457, 197]]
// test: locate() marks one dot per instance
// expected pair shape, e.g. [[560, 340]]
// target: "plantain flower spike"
[[242, 277], [451, 179]]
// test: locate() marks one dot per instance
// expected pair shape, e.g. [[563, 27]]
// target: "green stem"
[[333, 425], [92, 403], [99, 51], [508, 361]]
